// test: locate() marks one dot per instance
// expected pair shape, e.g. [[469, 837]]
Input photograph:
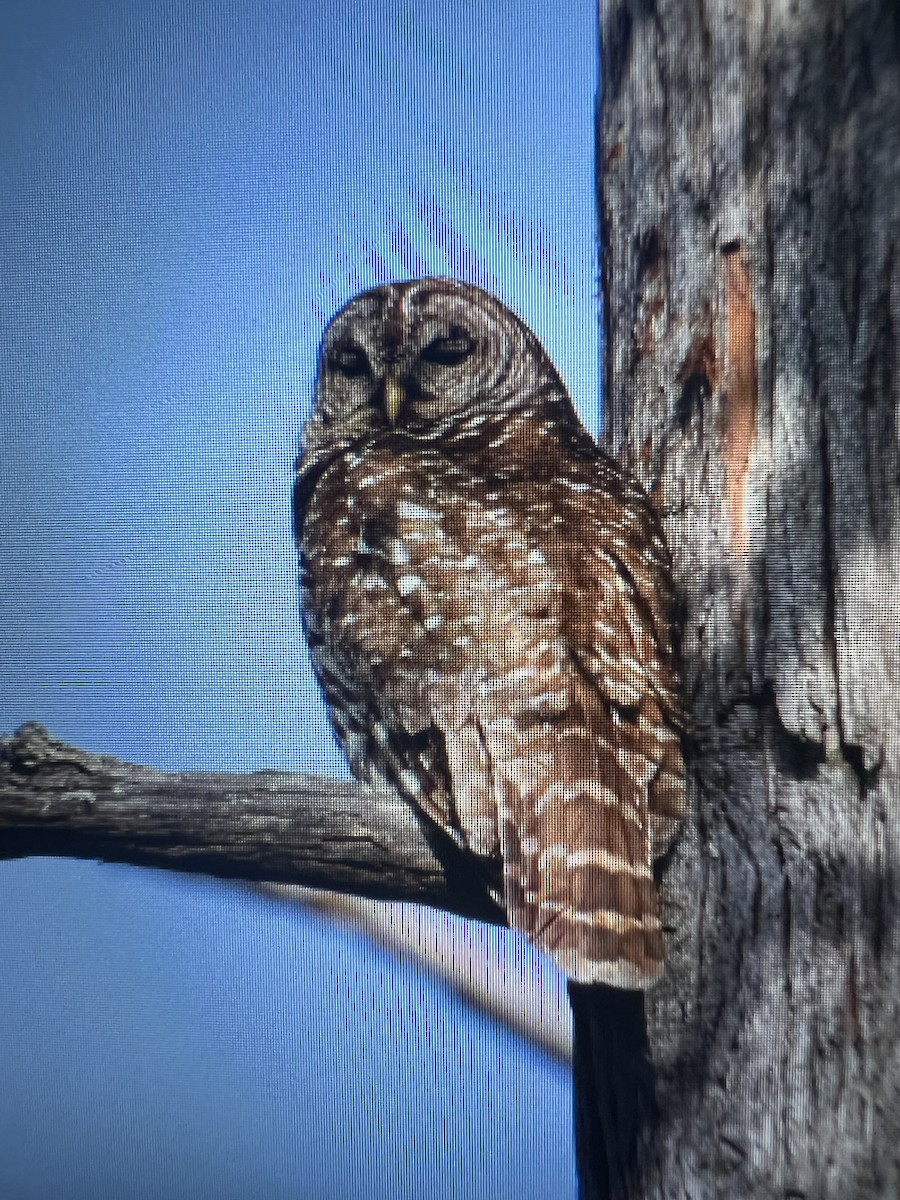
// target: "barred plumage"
[[487, 601]]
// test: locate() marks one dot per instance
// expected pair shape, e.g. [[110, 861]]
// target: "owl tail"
[[578, 883]]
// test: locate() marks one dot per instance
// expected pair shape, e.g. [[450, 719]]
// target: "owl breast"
[[433, 613]]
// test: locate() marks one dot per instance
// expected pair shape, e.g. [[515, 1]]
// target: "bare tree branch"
[[268, 826], [329, 836], [509, 991]]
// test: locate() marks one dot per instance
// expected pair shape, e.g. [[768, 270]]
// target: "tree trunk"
[[749, 169]]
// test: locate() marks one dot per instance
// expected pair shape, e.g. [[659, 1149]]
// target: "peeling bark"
[[740, 393], [749, 184]]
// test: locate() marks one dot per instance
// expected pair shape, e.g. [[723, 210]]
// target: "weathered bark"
[[269, 826], [749, 171]]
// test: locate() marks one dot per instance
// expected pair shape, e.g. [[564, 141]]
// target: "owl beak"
[[393, 398]]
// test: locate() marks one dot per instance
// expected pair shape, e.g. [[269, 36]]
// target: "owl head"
[[422, 358]]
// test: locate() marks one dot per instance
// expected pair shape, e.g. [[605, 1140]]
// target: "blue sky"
[[187, 192]]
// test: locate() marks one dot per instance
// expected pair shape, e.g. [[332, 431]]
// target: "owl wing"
[[622, 633], [574, 749]]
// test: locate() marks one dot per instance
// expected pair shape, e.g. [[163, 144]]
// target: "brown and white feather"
[[487, 599]]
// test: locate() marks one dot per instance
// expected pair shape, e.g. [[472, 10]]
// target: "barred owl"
[[486, 597]]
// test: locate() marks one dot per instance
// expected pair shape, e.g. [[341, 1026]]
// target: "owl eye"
[[451, 350], [349, 359]]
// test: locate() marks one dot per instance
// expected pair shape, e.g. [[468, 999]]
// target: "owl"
[[486, 597]]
